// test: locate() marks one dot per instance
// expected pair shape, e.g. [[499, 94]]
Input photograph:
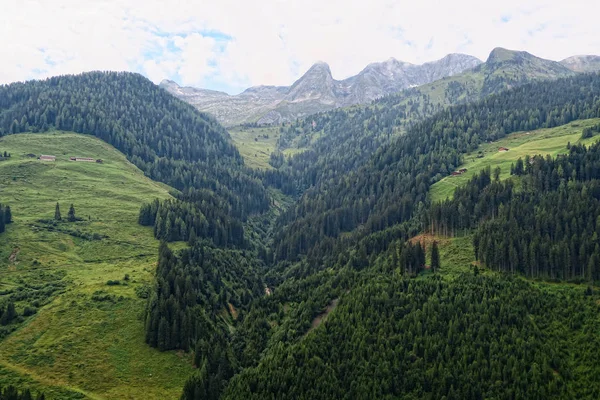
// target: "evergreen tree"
[[7, 215], [192, 239], [71, 215], [435, 257], [57, 216], [9, 314]]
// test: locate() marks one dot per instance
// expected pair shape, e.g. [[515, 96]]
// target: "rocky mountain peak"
[[319, 68]]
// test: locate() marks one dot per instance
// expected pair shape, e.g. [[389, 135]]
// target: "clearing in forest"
[[550, 141]]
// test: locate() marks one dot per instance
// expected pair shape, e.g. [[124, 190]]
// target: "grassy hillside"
[[550, 141], [255, 144], [87, 337]]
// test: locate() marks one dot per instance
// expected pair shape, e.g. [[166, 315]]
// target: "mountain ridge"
[[317, 90]]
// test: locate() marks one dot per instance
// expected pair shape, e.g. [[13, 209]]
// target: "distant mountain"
[[582, 63], [318, 91], [504, 69], [335, 135]]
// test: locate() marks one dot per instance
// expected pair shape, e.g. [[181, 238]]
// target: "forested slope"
[[471, 338], [350, 301], [166, 138], [390, 187], [334, 143], [170, 142]]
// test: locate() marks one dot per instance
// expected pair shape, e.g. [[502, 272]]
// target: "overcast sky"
[[233, 44]]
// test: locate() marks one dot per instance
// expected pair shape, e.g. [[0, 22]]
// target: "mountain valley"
[[417, 232]]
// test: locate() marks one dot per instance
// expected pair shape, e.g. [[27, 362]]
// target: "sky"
[[230, 45]]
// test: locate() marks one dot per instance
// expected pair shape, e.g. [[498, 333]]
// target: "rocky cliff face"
[[317, 91]]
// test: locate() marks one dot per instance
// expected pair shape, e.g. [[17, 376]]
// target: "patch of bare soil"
[[13, 256], [321, 317], [427, 239], [232, 311]]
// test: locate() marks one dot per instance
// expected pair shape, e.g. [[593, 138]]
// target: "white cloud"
[[238, 43]]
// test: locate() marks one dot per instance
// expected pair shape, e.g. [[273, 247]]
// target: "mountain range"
[[318, 91], [390, 251]]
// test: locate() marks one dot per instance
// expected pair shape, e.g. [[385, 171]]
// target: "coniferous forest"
[[338, 295]]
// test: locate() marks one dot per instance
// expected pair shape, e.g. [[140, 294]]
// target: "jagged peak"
[[320, 66]]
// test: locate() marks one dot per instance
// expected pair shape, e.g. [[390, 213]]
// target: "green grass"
[[255, 144], [552, 141], [78, 343]]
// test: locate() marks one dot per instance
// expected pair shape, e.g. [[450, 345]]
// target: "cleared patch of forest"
[[550, 141]]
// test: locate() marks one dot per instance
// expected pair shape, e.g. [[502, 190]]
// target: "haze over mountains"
[[318, 91]]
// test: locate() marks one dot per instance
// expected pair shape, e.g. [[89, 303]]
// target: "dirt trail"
[[321, 317], [47, 381]]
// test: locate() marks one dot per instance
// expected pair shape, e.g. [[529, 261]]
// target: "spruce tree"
[[192, 239], [71, 215], [9, 314], [435, 257], [57, 216], [7, 215]]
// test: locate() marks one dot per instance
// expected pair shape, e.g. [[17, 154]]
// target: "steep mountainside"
[[387, 189], [212, 194], [166, 138], [336, 142], [349, 242], [504, 69], [316, 299], [79, 282], [582, 63], [317, 90]]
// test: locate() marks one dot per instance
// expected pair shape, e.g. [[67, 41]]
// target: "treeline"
[[390, 187], [175, 220], [12, 393], [472, 337], [166, 138], [192, 288]]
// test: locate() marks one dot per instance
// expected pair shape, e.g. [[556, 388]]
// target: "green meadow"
[[551, 141], [86, 338], [255, 144]]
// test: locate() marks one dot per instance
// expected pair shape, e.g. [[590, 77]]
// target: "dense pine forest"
[[475, 337], [546, 227], [342, 298], [384, 203], [393, 184]]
